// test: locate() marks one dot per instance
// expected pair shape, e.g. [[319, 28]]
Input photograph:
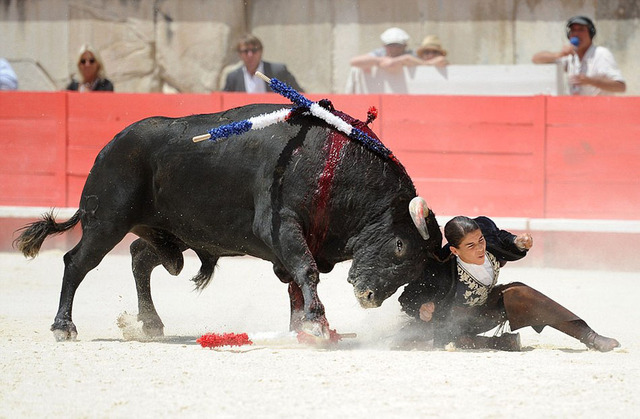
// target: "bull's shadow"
[[174, 340]]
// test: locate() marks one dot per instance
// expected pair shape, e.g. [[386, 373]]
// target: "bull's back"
[[154, 168]]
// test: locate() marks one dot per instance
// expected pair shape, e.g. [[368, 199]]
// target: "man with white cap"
[[392, 56], [592, 70]]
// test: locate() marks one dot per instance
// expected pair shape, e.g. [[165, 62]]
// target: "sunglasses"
[[90, 61], [248, 50]]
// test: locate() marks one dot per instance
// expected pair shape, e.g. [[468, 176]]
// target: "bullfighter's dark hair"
[[457, 228]]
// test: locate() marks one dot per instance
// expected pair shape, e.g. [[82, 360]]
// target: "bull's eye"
[[399, 247]]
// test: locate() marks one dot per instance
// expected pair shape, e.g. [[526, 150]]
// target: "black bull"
[[298, 194]]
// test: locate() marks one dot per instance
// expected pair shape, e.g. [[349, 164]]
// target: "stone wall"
[[185, 46]]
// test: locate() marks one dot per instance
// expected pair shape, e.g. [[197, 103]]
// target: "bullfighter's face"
[[472, 248]]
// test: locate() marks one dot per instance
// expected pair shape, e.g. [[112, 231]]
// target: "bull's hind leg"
[[166, 250], [161, 248], [96, 242], [143, 261]]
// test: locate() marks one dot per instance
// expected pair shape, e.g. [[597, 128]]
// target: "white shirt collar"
[[254, 84], [482, 273]]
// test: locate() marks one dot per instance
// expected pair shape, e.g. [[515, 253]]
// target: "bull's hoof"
[[153, 332], [318, 330], [134, 328], [65, 331], [152, 326], [319, 335], [334, 338], [296, 322]]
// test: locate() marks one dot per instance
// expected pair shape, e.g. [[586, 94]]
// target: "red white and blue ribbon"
[[265, 120], [239, 127]]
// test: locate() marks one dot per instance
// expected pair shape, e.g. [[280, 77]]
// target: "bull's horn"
[[418, 208]]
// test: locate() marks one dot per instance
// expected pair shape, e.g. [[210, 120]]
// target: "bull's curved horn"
[[418, 208]]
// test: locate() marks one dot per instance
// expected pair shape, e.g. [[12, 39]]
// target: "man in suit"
[[244, 79]]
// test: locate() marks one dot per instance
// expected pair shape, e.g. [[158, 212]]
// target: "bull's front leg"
[[296, 300], [297, 259], [315, 321]]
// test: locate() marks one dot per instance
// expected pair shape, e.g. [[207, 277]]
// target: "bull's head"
[[393, 252]]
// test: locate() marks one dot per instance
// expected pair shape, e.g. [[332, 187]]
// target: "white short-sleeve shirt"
[[597, 61]]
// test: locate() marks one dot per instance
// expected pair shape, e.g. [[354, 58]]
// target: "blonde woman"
[[91, 71]]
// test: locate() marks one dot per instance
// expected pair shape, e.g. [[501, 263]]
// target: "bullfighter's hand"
[[426, 311], [524, 241]]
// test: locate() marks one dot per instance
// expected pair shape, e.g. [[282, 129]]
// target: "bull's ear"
[[419, 210]]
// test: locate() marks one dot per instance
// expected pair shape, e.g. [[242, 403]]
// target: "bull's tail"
[[34, 234], [204, 275]]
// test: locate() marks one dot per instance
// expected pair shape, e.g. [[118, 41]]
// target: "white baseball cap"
[[394, 36]]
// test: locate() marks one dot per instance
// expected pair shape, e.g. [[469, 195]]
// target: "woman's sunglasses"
[[90, 61]]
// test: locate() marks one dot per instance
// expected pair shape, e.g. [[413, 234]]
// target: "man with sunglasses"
[[244, 79]]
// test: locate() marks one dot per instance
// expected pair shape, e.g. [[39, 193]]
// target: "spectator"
[[92, 72], [8, 78], [392, 56], [244, 79], [460, 298], [591, 69], [431, 52]]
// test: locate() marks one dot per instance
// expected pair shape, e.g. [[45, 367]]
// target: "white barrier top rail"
[[481, 80], [507, 223]]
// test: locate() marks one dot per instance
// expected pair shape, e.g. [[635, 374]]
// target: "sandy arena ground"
[[103, 375]]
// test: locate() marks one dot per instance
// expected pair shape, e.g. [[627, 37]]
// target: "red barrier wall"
[[593, 157], [479, 154], [33, 139], [537, 157], [92, 121]]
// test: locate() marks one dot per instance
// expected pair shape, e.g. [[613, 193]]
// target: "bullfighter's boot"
[[527, 307], [416, 334], [581, 331]]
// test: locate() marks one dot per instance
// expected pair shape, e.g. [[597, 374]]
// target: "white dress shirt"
[[254, 84]]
